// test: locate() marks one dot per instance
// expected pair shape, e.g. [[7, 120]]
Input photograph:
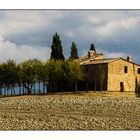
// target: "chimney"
[[91, 53], [129, 58]]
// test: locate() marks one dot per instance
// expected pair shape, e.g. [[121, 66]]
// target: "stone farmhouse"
[[110, 74]]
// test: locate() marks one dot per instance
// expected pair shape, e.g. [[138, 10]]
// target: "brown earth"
[[70, 112]]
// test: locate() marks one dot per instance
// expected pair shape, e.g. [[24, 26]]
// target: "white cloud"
[[20, 21], [86, 23], [112, 26], [9, 50], [101, 27], [70, 34], [94, 19]]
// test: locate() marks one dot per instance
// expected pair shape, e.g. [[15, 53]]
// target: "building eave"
[[107, 61]]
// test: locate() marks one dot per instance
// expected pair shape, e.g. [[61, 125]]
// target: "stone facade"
[[117, 74], [122, 73]]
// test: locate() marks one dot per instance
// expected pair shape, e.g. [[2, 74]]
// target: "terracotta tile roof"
[[103, 61], [85, 58]]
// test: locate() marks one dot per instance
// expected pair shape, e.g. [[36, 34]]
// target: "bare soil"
[[71, 112]]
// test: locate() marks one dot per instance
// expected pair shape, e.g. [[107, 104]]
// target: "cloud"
[[114, 54], [20, 21], [9, 50], [116, 25], [111, 54], [115, 31], [70, 34]]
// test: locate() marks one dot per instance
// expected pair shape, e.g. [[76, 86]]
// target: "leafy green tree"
[[8, 76], [19, 77], [63, 72], [37, 65], [28, 75], [44, 75], [41, 71], [4, 76], [74, 72], [11, 75], [74, 51], [55, 74], [57, 49]]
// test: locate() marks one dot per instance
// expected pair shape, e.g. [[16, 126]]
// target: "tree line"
[[55, 72], [57, 50], [27, 74]]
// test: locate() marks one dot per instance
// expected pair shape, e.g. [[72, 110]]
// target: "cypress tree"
[[74, 51], [57, 49], [92, 48]]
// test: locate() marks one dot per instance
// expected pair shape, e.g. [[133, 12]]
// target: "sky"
[[27, 34]]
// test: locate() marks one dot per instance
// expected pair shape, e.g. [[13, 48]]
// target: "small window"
[[138, 70], [125, 69], [121, 86]]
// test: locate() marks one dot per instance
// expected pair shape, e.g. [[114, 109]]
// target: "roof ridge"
[[105, 59], [129, 61], [99, 61]]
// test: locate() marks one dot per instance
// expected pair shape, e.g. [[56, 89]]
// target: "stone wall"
[[116, 75]]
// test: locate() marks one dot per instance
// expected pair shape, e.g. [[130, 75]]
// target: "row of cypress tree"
[[57, 49]]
